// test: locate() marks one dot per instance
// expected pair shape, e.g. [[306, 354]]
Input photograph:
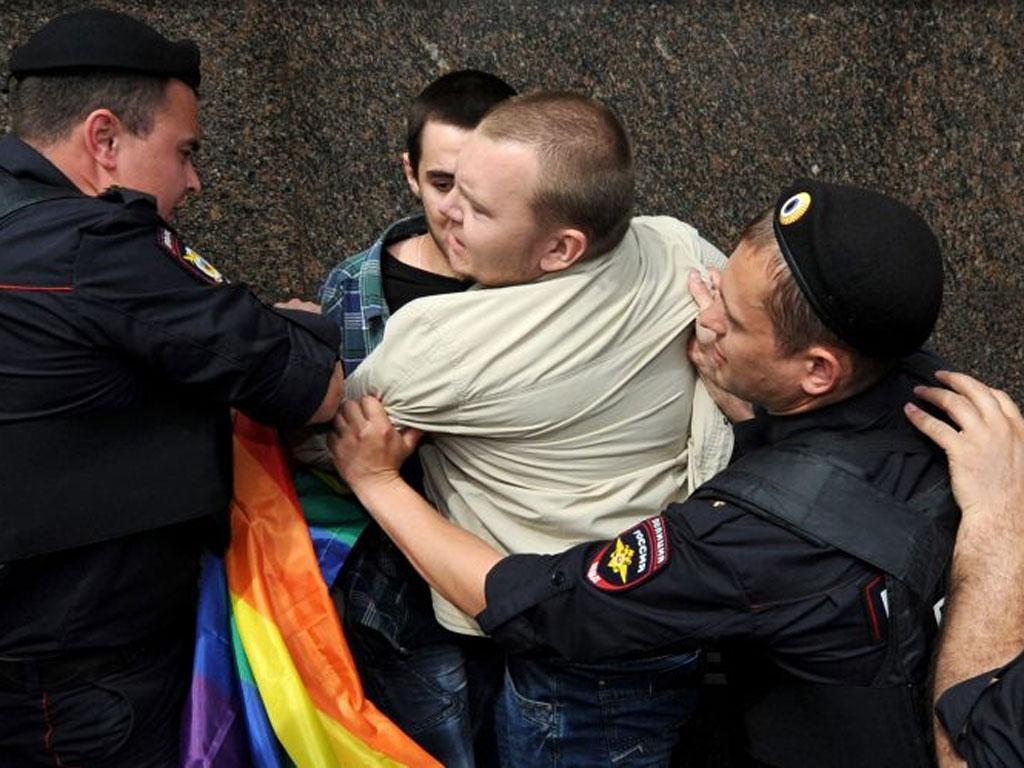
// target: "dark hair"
[[795, 323], [585, 158], [46, 108], [459, 98]]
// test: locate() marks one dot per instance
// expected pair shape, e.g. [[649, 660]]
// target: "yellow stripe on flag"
[[311, 738]]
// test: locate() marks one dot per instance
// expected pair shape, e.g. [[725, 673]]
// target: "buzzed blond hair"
[[585, 159]]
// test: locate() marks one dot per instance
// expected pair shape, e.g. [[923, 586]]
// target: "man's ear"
[[410, 176], [102, 132], [826, 370], [565, 248]]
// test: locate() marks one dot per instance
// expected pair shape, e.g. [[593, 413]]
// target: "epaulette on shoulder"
[[119, 209], [130, 198]]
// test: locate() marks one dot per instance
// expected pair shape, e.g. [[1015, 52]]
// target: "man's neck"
[[422, 252], [66, 159], [803, 403]]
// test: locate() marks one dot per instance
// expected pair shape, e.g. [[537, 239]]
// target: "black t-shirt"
[[403, 283]]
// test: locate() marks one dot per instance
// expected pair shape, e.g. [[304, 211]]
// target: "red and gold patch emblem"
[[632, 558]]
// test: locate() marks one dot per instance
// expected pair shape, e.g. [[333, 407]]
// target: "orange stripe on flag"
[[265, 447]]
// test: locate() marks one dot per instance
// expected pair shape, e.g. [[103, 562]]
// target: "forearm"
[[945, 755], [983, 628], [453, 561]]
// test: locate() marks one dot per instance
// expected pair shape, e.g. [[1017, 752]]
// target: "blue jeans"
[[440, 694], [626, 713]]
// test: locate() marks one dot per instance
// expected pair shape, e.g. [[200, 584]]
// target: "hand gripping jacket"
[[812, 486]]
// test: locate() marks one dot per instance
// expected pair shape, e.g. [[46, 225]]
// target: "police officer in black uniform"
[[817, 557], [121, 351]]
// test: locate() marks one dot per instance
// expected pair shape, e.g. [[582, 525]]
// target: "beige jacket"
[[562, 410]]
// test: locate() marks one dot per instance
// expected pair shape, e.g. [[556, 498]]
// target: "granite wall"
[[726, 101]]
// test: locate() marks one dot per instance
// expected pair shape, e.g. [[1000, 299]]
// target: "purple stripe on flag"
[[213, 734]]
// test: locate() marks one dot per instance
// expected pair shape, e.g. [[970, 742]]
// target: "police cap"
[[99, 40], [868, 265]]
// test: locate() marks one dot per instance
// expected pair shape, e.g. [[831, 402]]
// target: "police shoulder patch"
[[187, 257], [631, 558], [202, 265]]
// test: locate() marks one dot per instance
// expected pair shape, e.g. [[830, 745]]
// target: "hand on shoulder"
[[986, 457]]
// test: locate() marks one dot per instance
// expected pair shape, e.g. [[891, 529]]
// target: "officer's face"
[[160, 163], [745, 359], [440, 144], [492, 235]]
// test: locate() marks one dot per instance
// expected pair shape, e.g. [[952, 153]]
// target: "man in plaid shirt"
[[413, 669]]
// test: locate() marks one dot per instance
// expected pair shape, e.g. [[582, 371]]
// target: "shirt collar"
[[371, 286], [403, 229]]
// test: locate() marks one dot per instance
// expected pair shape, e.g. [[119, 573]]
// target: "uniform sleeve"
[[654, 588], [985, 716], [138, 299]]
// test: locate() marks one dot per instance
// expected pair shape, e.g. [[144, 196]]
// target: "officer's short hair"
[[586, 162], [458, 98], [795, 324], [45, 109]]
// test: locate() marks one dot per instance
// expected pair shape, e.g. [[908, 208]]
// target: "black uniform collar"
[[21, 160], [881, 405]]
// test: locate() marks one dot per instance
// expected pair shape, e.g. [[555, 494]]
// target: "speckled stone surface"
[[726, 102]]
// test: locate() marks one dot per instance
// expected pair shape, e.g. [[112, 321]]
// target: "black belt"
[[22, 675]]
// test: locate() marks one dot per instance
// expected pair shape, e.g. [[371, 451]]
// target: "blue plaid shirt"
[[353, 294], [379, 588]]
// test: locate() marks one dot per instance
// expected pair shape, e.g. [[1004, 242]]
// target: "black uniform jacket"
[[706, 570], [985, 716], [121, 350]]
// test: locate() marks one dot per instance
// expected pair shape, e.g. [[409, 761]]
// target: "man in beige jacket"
[[817, 555], [554, 391]]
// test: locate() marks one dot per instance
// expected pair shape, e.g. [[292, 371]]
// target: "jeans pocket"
[[418, 690], [644, 731], [540, 713], [528, 729], [644, 704], [87, 723]]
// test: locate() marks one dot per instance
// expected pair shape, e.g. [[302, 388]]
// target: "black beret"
[[869, 266], [98, 40]]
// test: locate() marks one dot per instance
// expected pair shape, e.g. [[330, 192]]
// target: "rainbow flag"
[[274, 683]]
